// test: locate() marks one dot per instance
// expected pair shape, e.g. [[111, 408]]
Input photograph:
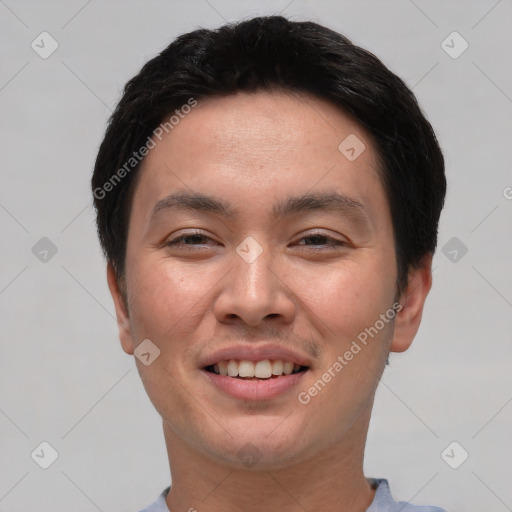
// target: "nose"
[[255, 293]]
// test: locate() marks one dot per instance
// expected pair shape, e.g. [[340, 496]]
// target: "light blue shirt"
[[382, 502]]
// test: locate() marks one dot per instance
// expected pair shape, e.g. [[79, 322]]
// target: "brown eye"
[[188, 240], [320, 240]]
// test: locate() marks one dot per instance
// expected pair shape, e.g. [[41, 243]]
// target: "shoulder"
[[384, 502], [159, 505]]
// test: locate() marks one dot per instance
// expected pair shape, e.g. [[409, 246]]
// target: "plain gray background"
[[64, 378]]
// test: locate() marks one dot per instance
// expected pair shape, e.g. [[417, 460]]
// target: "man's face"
[[310, 279]]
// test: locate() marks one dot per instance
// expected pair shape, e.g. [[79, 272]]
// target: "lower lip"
[[257, 389]]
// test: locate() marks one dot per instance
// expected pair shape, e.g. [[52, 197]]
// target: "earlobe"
[[123, 320], [412, 300]]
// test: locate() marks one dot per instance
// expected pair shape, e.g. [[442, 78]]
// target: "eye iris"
[[194, 238], [315, 240]]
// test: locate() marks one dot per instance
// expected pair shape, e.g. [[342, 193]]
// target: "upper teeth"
[[261, 369]]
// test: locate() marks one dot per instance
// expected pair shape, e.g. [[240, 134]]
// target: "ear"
[[408, 319], [123, 320]]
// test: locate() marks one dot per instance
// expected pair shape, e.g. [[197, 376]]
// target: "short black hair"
[[274, 53]]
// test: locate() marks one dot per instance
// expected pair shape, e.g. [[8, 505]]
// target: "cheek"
[[355, 304], [345, 300], [346, 308], [166, 299], [167, 303]]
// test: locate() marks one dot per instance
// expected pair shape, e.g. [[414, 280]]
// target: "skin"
[[253, 150]]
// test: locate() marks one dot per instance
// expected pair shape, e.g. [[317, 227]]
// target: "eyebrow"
[[194, 201], [324, 202]]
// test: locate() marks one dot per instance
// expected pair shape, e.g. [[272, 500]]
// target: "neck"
[[331, 480]]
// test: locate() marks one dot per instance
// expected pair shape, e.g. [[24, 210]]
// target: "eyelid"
[[332, 240], [175, 237], [316, 232]]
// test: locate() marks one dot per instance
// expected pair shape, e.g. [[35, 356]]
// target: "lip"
[[257, 389], [255, 353]]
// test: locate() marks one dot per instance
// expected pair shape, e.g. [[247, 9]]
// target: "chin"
[[259, 444]]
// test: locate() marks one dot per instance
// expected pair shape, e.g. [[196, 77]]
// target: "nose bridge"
[[254, 283], [255, 279], [253, 291]]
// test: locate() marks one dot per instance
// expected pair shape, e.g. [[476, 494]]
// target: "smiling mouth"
[[255, 370]]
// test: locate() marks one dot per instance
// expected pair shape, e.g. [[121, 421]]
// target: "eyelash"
[[176, 241], [332, 242]]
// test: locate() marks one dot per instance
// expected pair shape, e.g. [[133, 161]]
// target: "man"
[[267, 198]]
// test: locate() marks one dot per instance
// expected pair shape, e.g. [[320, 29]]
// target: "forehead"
[[262, 145]]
